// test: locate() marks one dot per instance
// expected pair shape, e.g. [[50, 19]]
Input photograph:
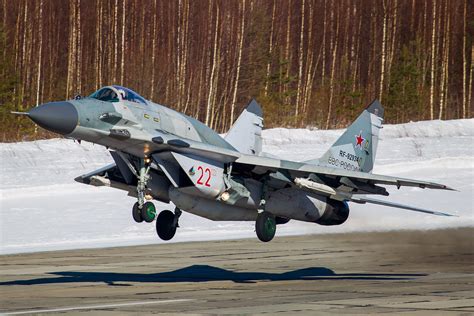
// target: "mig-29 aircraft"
[[164, 155]]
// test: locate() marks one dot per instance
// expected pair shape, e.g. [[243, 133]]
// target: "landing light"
[[147, 160], [225, 196]]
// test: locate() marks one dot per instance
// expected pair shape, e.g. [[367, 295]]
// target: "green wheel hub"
[[270, 227], [148, 212]]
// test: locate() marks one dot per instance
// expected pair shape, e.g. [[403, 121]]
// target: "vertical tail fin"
[[355, 150], [246, 133]]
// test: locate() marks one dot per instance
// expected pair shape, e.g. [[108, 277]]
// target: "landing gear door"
[[207, 175]]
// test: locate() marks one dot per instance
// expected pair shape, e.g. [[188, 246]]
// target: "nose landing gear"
[[143, 211], [167, 221]]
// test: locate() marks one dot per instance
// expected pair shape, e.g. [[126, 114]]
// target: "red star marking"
[[359, 140]]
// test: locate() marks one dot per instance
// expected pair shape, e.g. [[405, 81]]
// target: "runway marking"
[[65, 309]]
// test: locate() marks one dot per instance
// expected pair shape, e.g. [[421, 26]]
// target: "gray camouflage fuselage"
[[100, 122], [222, 178]]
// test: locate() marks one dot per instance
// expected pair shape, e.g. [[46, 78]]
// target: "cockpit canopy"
[[117, 93]]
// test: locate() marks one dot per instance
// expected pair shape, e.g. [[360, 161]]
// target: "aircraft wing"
[[108, 176], [264, 164], [351, 179], [144, 143], [339, 184], [353, 182]]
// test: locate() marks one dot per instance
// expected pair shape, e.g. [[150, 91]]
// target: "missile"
[[314, 186]]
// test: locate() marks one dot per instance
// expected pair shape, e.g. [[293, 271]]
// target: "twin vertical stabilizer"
[[356, 148], [246, 133]]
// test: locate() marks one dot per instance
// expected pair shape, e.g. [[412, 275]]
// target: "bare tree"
[[212, 89], [464, 63], [239, 61], [300, 64], [333, 70], [433, 61], [122, 49], [316, 61], [384, 45]]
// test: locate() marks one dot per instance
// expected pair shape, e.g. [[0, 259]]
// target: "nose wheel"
[[146, 213], [143, 211], [136, 213]]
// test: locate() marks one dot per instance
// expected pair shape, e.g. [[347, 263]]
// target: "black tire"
[[148, 212], [136, 214], [265, 226], [281, 220], [165, 227]]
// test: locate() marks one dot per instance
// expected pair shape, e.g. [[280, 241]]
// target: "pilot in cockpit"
[[123, 94], [116, 94]]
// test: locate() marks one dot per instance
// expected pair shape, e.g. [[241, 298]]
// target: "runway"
[[412, 272]]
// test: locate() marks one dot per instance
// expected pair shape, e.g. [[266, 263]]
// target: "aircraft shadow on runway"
[[206, 273]]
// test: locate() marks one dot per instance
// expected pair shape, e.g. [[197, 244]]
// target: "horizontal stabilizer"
[[363, 200]]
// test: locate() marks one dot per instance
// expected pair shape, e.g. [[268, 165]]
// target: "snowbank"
[[42, 208], [422, 129]]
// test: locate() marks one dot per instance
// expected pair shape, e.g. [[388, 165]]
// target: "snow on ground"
[[42, 208]]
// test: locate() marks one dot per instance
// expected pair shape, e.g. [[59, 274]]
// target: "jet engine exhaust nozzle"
[[59, 117]]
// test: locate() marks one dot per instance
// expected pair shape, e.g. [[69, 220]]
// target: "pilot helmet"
[[123, 94]]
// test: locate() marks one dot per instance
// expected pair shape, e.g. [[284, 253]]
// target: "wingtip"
[[450, 189], [444, 214], [442, 187], [438, 186]]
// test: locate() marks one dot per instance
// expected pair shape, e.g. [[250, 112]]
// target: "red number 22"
[[207, 171]]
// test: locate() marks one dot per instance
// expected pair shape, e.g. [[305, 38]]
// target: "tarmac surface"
[[406, 272]]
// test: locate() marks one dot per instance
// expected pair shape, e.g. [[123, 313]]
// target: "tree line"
[[308, 62]]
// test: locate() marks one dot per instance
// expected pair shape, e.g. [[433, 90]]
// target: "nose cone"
[[59, 117]]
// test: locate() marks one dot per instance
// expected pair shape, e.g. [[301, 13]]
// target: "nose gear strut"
[[143, 211], [143, 177]]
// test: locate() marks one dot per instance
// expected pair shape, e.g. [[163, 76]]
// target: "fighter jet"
[[161, 154]]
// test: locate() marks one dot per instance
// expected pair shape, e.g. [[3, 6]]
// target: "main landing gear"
[[166, 224], [265, 226]]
